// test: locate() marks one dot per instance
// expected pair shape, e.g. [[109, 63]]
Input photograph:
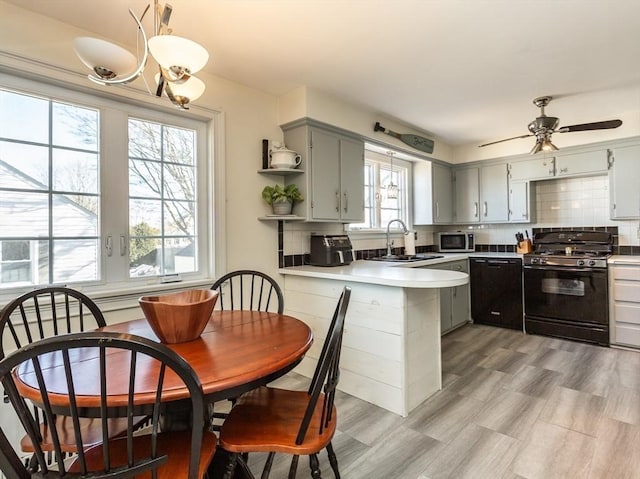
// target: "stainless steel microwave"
[[455, 242]]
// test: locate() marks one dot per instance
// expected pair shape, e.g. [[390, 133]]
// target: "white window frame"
[[208, 124], [407, 216]]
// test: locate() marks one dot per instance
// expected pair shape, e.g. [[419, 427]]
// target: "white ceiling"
[[464, 70]]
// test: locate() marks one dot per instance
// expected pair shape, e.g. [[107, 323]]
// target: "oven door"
[[570, 294]]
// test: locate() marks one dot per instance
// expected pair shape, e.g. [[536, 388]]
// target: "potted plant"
[[281, 198]]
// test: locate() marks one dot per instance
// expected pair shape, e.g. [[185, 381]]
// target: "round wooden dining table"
[[237, 351]]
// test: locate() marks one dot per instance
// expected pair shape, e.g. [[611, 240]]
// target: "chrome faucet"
[[405, 231]]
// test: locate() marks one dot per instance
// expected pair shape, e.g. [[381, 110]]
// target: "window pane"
[[24, 166], [179, 145], [75, 260], [146, 212], [179, 256], [75, 216], [144, 257], [24, 214], [23, 262], [179, 218], [23, 117], [144, 140], [75, 171], [178, 182], [75, 127], [145, 179]]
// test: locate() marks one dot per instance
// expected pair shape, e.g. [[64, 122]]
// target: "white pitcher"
[[284, 158]]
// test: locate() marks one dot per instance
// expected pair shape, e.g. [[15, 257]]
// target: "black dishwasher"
[[496, 291]]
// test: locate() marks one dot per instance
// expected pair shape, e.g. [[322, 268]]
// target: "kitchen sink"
[[400, 258]]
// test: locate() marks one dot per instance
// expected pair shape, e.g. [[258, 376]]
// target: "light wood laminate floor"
[[512, 406]]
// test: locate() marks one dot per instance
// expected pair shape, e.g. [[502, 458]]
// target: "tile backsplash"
[[560, 203]]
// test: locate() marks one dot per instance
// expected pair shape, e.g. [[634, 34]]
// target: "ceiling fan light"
[[107, 60], [548, 146], [177, 55]]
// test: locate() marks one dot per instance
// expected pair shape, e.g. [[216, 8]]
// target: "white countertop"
[[402, 275], [624, 259]]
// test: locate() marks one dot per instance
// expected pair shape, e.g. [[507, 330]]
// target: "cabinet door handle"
[[437, 209], [337, 201], [486, 208], [564, 170], [475, 207], [346, 201]]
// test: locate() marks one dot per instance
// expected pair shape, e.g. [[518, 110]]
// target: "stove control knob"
[[592, 262], [534, 260], [543, 260], [580, 262]]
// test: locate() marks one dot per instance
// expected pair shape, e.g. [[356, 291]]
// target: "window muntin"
[[379, 208], [49, 192]]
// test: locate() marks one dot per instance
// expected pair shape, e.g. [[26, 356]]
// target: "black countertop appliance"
[[330, 250]]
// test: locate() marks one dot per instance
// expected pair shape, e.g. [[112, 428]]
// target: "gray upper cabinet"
[[482, 194], [494, 193], [432, 194], [533, 169], [467, 195], [541, 167], [624, 184], [333, 161], [579, 164]]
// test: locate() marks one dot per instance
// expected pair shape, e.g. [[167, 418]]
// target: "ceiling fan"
[[544, 126]]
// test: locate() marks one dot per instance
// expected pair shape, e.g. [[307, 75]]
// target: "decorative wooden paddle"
[[415, 141]]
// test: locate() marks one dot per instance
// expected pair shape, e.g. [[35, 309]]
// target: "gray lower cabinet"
[[624, 308], [333, 179], [454, 302]]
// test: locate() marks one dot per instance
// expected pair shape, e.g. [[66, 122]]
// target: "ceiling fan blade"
[[598, 125], [506, 139]]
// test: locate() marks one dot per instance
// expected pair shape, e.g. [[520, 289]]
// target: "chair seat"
[[91, 432], [176, 445], [268, 419]]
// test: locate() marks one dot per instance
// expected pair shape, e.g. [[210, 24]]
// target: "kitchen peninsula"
[[391, 346]]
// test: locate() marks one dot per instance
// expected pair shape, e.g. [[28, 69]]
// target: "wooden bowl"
[[179, 317]]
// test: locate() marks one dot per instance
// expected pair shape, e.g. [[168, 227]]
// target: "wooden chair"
[[48, 312], [167, 455], [247, 289], [292, 422]]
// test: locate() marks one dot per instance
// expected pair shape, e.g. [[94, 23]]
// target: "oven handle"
[[562, 268]]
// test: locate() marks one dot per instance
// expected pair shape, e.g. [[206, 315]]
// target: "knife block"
[[524, 247]]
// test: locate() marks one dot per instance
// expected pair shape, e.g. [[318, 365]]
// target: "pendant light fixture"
[[392, 189], [178, 58]]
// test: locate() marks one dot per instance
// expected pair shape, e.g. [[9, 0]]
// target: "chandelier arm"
[[138, 71]]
